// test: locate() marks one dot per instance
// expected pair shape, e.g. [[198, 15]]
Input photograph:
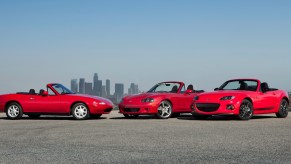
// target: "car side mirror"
[[189, 91], [216, 89], [45, 93]]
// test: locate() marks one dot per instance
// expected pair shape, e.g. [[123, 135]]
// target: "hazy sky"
[[202, 42]]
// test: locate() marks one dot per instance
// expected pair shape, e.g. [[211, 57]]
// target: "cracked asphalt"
[[114, 139]]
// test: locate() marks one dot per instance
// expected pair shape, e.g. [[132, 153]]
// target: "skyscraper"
[[103, 93], [82, 86], [119, 91], [74, 85], [95, 84], [88, 88], [133, 89], [108, 87]]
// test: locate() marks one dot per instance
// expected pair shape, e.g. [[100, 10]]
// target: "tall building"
[[74, 85], [103, 94], [95, 84], [108, 87], [88, 88], [119, 91], [82, 86], [133, 89]]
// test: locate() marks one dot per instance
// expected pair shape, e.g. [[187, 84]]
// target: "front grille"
[[108, 109], [207, 107], [131, 109]]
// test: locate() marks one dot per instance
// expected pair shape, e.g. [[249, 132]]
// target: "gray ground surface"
[[113, 139]]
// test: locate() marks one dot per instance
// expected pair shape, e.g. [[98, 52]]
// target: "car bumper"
[[215, 108], [101, 109], [138, 109]]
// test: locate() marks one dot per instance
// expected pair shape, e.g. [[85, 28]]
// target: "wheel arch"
[[12, 101], [76, 102], [248, 98], [166, 99], [286, 98]]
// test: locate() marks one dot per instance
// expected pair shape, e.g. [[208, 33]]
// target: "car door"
[[265, 102], [183, 101]]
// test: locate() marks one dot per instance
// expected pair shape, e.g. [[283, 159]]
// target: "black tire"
[[95, 116], [14, 111], [246, 110], [165, 110], [130, 115], [34, 116], [283, 109], [80, 111]]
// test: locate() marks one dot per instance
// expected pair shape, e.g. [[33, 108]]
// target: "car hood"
[[141, 96], [217, 95]]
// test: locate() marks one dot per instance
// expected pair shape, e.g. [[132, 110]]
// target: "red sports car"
[[241, 97], [163, 100], [56, 100]]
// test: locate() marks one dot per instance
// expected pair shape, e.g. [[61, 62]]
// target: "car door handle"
[[31, 98]]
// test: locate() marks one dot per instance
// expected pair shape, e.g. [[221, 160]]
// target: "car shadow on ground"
[[142, 117], [222, 118], [68, 118]]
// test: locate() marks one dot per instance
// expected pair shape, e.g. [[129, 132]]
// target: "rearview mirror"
[[45, 93], [216, 89]]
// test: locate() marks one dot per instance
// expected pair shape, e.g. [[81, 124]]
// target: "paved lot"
[[113, 139]]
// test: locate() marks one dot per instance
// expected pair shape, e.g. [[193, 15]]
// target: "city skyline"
[[203, 43], [97, 89]]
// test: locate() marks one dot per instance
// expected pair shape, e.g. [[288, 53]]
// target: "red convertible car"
[[163, 100], [241, 97], [56, 100]]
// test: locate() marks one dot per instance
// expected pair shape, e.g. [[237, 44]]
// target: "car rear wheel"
[[283, 110], [130, 115], [14, 111], [96, 116], [165, 110], [80, 111], [246, 110], [34, 116]]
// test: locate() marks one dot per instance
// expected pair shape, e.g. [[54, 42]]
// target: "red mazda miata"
[[56, 100], [241, 97], [163, 100]]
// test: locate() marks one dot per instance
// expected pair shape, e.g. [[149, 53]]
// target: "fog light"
[[230, 107]]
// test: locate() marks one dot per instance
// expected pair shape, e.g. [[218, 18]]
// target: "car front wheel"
[[80, 111], [283, 110], [246, 110], [14, 111], [165, 110]]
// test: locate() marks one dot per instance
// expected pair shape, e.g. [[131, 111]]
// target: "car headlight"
[[196, 98], [95, 103], [148, 100], [228, 98]]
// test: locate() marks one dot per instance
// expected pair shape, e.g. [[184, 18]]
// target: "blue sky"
[[200, 42]]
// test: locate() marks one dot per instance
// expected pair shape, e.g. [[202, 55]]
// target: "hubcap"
[[165, 110], [13, 111], [81, 111], [284, 107], [245, 110]]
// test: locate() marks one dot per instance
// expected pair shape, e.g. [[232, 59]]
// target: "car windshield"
[[165, 87], [248, 85], [62, 89]]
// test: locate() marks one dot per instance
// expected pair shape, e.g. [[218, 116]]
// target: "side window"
[[50, 92]]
